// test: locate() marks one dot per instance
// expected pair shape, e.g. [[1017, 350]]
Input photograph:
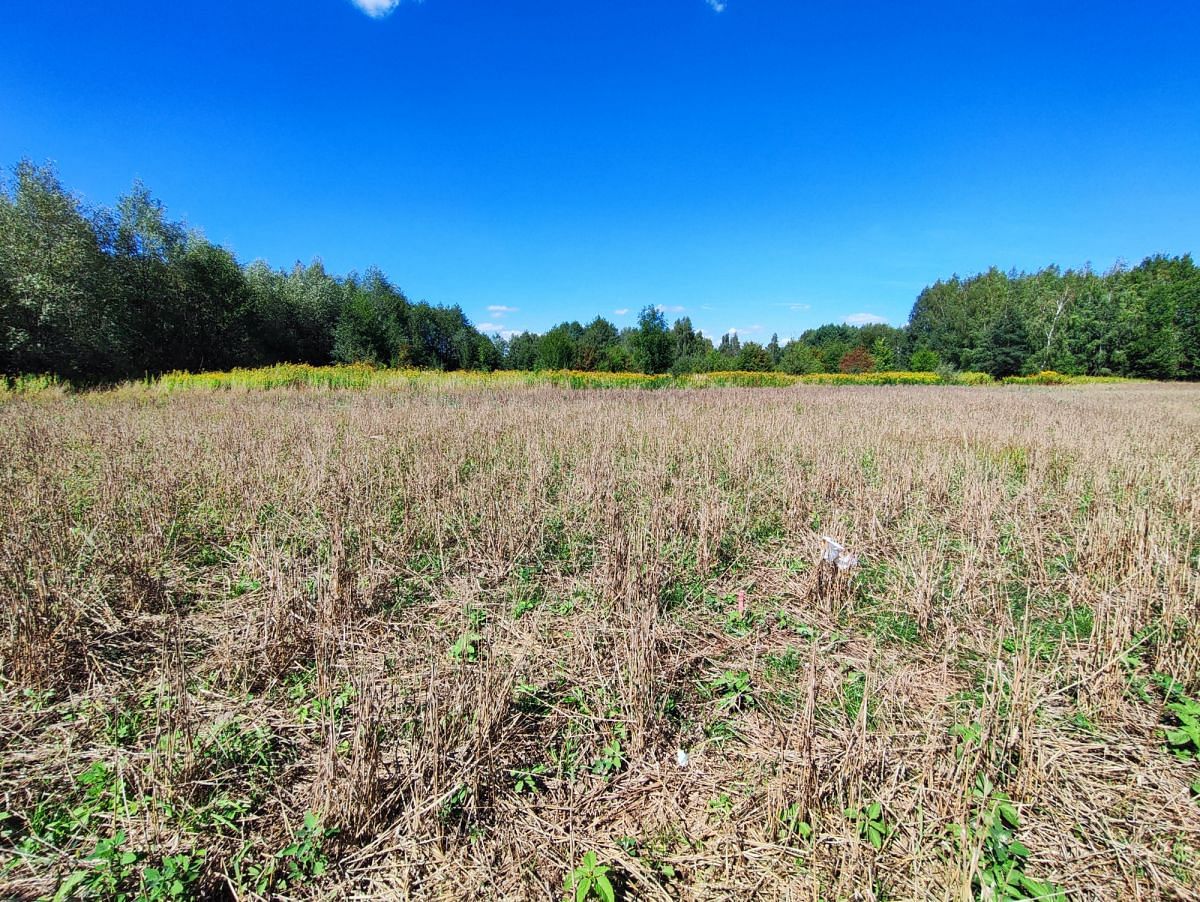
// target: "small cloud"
[[799, 307], [718, 6], [672, 308], [863, 319], [744, 330], [706, 307], [377, 9], [499, 311], [498, 329], [624, 311]]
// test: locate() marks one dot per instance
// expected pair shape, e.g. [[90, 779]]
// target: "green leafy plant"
[[966, 736], [786, 663], [721, 731], [792, 826], [524, 605], [721, 805], [786, 620], [125, 724], [872, 826], [611, 759], [304, 859], [733, 687], [176, 878], [590, 880], [452, 807], [1183, 734], [1003, 857], [527, 779], [466, 648], [741, 623], [854, 690], [110, 876], [245, 585]]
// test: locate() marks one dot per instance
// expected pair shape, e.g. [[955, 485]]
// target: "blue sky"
[[763, 165]]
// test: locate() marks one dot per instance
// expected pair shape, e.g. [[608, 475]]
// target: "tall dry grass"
[[440, 643]]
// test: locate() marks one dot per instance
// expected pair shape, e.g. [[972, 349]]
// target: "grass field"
[[470, 638]]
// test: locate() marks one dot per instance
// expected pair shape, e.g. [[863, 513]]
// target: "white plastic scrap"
[[681, 758], [832, 548], [835, 553]]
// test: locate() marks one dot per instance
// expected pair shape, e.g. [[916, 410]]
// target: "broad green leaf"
[[1009, 815], [604, 889], [67, 887]]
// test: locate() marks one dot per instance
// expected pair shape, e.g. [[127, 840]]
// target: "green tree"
[[522, 351], [924, 360], [652, 342], [774, 350], [753, 358], [557, 348], [730, 346], [1006, 345], [598, 337], [58, 313], [884, 356], [799, 359]]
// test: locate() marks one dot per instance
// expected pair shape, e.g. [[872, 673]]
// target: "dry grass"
[[467, 630]]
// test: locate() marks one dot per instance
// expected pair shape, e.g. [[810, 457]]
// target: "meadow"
[[457, 637]]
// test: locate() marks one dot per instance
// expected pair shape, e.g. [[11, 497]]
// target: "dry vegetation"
[[443, 643]]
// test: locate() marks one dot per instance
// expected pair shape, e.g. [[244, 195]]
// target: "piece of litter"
[[833, 548], [681, 758], [835, 553]]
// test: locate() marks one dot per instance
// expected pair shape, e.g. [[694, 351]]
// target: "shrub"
[[1045, 377], [856, 360], [923, 360], [973, 378]]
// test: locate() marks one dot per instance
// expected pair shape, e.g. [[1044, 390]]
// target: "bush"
[[799, 359], [923, 360], [973, 378], [856, 361], [1045, 377]]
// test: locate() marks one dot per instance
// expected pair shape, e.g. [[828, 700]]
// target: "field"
[[461, 638]]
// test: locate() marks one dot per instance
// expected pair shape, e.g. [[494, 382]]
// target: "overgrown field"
[[471, 640]]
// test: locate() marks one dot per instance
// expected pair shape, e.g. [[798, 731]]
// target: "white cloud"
[[673, 308], [377, 9], [492, 328], [799, 307], [863, 319], [744, 330], [499, 311], [624, 311], [718, 6]]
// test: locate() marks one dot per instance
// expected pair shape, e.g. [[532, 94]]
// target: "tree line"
[[102, 294]]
